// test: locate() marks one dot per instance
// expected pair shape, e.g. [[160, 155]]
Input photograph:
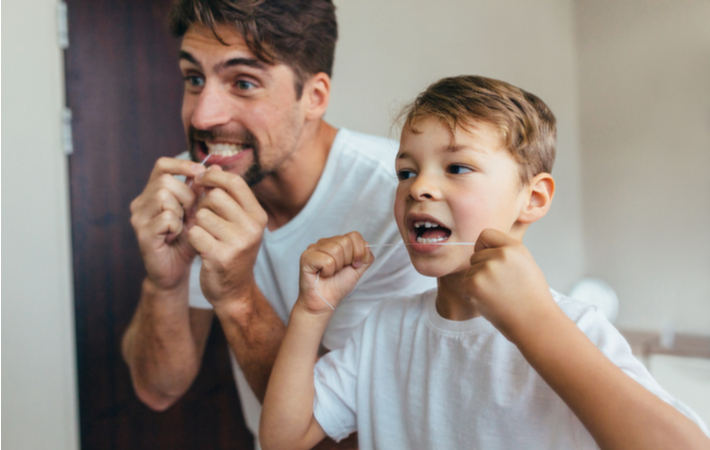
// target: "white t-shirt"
[[408, 378], [354, 193]]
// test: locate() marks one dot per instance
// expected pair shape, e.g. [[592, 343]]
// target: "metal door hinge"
[[67, 138], [63, 25]]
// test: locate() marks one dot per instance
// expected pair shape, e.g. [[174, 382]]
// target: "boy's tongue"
[[433, 233]]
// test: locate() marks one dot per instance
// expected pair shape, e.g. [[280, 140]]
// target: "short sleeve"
[[335, 380], [610, 341]]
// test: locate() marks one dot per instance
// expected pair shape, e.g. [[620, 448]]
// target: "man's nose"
[[424, 188], [212, 108]]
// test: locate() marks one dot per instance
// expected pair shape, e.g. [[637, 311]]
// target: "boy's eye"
[[457, 169], [404, 174], [245, 85]]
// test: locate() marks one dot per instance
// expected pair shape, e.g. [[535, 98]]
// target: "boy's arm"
[[509, 289], [617, 411], [335, 264]]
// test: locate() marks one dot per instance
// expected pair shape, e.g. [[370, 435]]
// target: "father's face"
[[237, 109]]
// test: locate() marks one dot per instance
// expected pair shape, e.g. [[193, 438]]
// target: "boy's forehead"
[[437, 135]]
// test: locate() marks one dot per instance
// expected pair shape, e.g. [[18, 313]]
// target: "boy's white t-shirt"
[[355, 193], [408, 378]]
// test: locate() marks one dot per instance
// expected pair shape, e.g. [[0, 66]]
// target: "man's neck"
[[284, 194]]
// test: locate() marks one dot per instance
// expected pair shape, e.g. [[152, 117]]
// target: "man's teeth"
[[422, 240], [224, 149]]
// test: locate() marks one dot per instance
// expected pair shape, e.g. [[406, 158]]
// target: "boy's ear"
[[316, 95], [540, 191]]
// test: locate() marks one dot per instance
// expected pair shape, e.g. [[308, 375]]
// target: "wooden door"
[[125, 90]]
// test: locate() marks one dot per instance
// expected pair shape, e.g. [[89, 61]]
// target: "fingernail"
[[197, 168], [357, 264]]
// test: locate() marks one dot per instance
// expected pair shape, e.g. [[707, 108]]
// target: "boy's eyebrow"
[[241, 61], [453, 148]]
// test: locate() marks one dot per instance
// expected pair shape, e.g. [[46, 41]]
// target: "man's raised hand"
[[157, 216], [229, 225], [337, 263]]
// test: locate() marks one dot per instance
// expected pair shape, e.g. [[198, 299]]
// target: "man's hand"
[[229, 225], [340, 261], [158, 215], [505, 284]]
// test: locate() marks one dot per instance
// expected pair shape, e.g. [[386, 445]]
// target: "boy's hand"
[[505, 284], [341, 261]]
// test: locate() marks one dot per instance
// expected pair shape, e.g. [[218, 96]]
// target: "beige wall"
[[644, 76], [39, 403], [389, 51]]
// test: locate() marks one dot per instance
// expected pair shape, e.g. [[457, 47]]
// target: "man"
[[257, 83]]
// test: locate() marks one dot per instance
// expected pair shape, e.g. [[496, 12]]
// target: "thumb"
[[492, 238]]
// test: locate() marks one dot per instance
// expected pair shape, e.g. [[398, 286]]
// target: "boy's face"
[[451, 188]]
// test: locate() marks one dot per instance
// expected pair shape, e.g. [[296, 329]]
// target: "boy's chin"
[[438, 270]]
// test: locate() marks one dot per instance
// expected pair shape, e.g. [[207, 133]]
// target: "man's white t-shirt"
[[354, 193], [409, 378]]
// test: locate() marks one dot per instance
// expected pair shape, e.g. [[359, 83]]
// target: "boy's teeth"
[[425, 225], [422, 240], [224, 149]]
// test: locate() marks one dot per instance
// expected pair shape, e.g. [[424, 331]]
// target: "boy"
[[493, 358]]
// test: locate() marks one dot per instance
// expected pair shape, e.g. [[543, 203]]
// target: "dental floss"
[[381, 245], [202, 164]]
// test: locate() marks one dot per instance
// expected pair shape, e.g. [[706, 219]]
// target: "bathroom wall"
[[39, 402], [644, 83]]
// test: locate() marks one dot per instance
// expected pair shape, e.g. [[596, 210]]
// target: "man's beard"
[[254, 174]]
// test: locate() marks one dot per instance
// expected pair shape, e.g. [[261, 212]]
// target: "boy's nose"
[[212, 109], [424, 189]]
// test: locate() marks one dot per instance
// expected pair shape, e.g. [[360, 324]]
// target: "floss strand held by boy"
[[492, 358]]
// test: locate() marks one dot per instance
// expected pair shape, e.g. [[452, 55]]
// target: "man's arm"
[[508, 288], [164, 344]]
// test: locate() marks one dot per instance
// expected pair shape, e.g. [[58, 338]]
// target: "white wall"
[[390, 50], [39, 401], [644, 71]]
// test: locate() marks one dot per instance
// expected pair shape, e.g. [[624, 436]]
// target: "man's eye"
[[194, 81], [457, 169], [245, 85], [405, 174]]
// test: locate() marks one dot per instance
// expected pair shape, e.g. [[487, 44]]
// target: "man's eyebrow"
[[188, 57], [249, 62]]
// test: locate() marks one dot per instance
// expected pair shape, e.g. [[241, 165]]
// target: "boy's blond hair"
[[526, 125]]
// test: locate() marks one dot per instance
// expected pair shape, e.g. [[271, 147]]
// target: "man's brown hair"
[[526, 125], [298, 33]]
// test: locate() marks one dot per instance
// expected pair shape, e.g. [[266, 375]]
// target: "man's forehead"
[[200, 38]]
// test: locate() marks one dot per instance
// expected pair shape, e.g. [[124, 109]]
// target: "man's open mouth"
[[220, 152], [429, 232]]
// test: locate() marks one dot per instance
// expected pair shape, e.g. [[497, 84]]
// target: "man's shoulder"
[[366, 148]]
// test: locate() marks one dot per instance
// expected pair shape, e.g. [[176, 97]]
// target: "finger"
[[202, 241], [165, 223], [314, 261], [162, 193], [234, 185], [491, 238], [213, 224], [334, 247], [359, 248], [174, 166], [223, 205]]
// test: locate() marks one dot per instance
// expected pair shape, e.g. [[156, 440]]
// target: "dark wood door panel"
[[124, 89]]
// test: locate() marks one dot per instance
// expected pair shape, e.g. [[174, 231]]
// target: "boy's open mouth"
[[429, 232]]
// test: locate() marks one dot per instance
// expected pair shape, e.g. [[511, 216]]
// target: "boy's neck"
[[451, 304]]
